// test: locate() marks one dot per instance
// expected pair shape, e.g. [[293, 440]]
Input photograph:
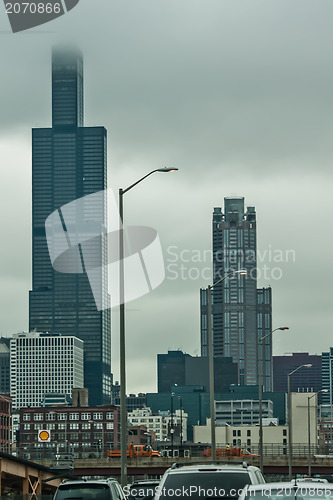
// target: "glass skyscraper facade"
[[69, 162], [241, 313]]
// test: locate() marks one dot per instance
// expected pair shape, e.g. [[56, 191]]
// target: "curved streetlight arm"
[[232, 273], [299, 367], [283, 328], [123, 191]]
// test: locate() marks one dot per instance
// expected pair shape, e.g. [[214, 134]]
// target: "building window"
[[26, 416], [98, 416], [74, 416], [109, 425], [38, 416], [284, 432], [85, 416], [109, 416]]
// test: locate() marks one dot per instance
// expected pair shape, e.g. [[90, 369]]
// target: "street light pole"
[[290, 445], [211, 358], [261, 458], [181, 426], [309, 432], [171, 423], [123, 413]]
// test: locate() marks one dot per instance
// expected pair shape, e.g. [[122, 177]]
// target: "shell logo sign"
[[44, 436]]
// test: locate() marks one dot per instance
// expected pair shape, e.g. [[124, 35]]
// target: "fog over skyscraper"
[[69, 162], [241, 313]]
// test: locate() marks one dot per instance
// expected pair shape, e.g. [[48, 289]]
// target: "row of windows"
[[70, 416]]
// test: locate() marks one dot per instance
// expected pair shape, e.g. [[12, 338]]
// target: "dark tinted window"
[[141, 491], [83, 491], [205, 485]]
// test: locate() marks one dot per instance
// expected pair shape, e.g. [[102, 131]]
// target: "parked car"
[[292, 490], [92, 489], [207, 481]]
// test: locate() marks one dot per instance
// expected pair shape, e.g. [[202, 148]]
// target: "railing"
[[269, 450]]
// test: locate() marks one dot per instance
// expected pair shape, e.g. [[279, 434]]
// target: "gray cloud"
[[238, 96]]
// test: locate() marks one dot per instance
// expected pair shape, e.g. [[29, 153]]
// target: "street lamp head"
[[283, 328], [166, 169], [309, 365], [241, 271]]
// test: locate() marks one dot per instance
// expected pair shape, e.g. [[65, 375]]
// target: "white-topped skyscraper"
[[69, 162], [241, 313]]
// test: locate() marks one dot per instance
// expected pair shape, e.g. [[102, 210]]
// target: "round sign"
[[44, 435]]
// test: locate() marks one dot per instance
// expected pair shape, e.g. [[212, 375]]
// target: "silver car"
[[207, 481]]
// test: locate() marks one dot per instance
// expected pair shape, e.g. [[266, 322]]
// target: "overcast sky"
[[235, 93]]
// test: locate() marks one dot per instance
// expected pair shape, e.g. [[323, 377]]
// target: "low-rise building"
[[275, 437], [242, 411], [163, 424], [86, 431]]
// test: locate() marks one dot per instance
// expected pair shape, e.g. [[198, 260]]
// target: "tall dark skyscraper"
[[69, 162], [241, 313]]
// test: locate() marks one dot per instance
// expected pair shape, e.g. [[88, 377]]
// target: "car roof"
[[183, 467], [88, 481], [144, 482], [288, 484]]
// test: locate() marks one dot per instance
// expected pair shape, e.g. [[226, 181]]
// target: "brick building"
[[86, 431]]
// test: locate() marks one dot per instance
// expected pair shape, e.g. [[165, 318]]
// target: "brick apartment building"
[[86, 431]]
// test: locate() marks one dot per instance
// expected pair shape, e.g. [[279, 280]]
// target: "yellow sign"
[[44, 436]]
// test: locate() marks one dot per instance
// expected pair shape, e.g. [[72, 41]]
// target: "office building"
[[195, 402], [327, 377], [180, 369], [133, 401], [161, 423], [4, 365], [242, 411], [88, 431], [305, 379], [42, 363], [241, 313], [68, 163]]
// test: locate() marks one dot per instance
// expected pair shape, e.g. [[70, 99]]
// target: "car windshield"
[[139, 491], [205, 485], [83, 491], [298, 492]]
